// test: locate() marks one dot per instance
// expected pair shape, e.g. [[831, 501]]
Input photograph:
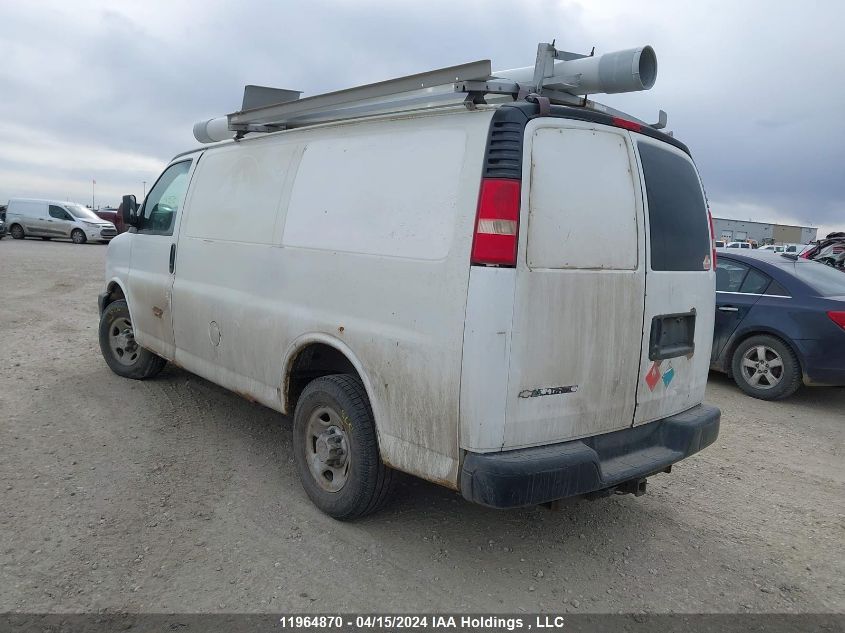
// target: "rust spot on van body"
[[246, 395], [157, 312], [440, 481]]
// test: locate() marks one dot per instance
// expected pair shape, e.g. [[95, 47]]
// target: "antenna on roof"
[[559, 76]]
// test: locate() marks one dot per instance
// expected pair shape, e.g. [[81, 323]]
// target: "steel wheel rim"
[[122, 341], [77, 237], [762, 367], [327, 449]]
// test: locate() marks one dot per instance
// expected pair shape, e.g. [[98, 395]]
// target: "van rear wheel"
[[336, 448], [17, 231], [121, 352], [78, 236]]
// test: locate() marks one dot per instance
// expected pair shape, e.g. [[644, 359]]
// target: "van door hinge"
[[172, 257]]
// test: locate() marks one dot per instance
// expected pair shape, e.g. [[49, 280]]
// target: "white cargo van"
[[48, 219], [514, 300]]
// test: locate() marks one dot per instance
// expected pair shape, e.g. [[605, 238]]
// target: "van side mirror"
[[129, 210]]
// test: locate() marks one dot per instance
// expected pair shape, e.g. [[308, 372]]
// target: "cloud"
[[114, 88]]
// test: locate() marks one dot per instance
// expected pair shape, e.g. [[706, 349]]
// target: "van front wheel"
[[336, 448], [78, 236], [117, 343], [17, 232]]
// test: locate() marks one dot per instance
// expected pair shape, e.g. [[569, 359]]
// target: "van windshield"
[[81, 213], [680, 236]]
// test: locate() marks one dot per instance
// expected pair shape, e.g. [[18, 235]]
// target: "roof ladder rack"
[[427, 89], [557, 77]]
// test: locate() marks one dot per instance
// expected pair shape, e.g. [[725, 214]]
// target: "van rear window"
[[680, 237]]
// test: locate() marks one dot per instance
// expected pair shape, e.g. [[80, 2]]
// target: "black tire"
[[765, 351], [77, 236], [134, 361], [16, 231], [46, 239], [368, 482]]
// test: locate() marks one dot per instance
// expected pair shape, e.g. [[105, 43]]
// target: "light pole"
[[93, 182], [144, 195]]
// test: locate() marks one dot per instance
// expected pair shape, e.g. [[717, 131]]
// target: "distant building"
[[762, 232]]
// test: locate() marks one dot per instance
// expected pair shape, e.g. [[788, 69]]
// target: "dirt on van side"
[[174, 495]]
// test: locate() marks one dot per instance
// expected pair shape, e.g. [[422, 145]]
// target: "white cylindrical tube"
[[213, 130], [620, 71]]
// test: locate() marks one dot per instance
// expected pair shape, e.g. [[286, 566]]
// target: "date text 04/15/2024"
[[460, 622]]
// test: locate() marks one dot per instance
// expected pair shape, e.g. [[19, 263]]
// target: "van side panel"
[[486, 358], [384, 196], [30, 214], [227, 261], [370, 246]]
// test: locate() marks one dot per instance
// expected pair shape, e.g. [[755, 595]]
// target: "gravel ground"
[[176, 495]]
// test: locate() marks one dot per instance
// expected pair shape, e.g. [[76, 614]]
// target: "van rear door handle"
[[172, 257], [722, 308]]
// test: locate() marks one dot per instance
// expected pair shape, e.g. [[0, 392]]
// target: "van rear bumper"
[[530, 476]]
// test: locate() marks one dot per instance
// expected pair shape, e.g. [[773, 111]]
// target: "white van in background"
[[422, 291], [48, 219]]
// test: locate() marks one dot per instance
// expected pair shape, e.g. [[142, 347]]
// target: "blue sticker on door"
[[668, 375]]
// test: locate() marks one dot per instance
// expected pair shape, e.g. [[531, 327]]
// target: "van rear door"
[[580, 285], [680, 284]]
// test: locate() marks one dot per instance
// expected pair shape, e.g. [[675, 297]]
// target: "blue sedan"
[[780, 322]]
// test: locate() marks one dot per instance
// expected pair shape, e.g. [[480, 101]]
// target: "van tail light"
[[712, 241], [496, 223], [838, 317]]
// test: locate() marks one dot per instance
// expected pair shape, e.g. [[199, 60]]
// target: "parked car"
[[780, 322], [784, 248], [720, 243], [50, 219], [744, 245], [795, 249], [441, 308], [112, 215], [2, 228], [829, 251]]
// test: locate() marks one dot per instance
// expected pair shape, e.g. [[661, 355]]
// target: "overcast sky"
[[110, 90]]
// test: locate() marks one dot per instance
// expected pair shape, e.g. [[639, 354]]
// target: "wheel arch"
[[114, 291], [296, 375], [738, 339]]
